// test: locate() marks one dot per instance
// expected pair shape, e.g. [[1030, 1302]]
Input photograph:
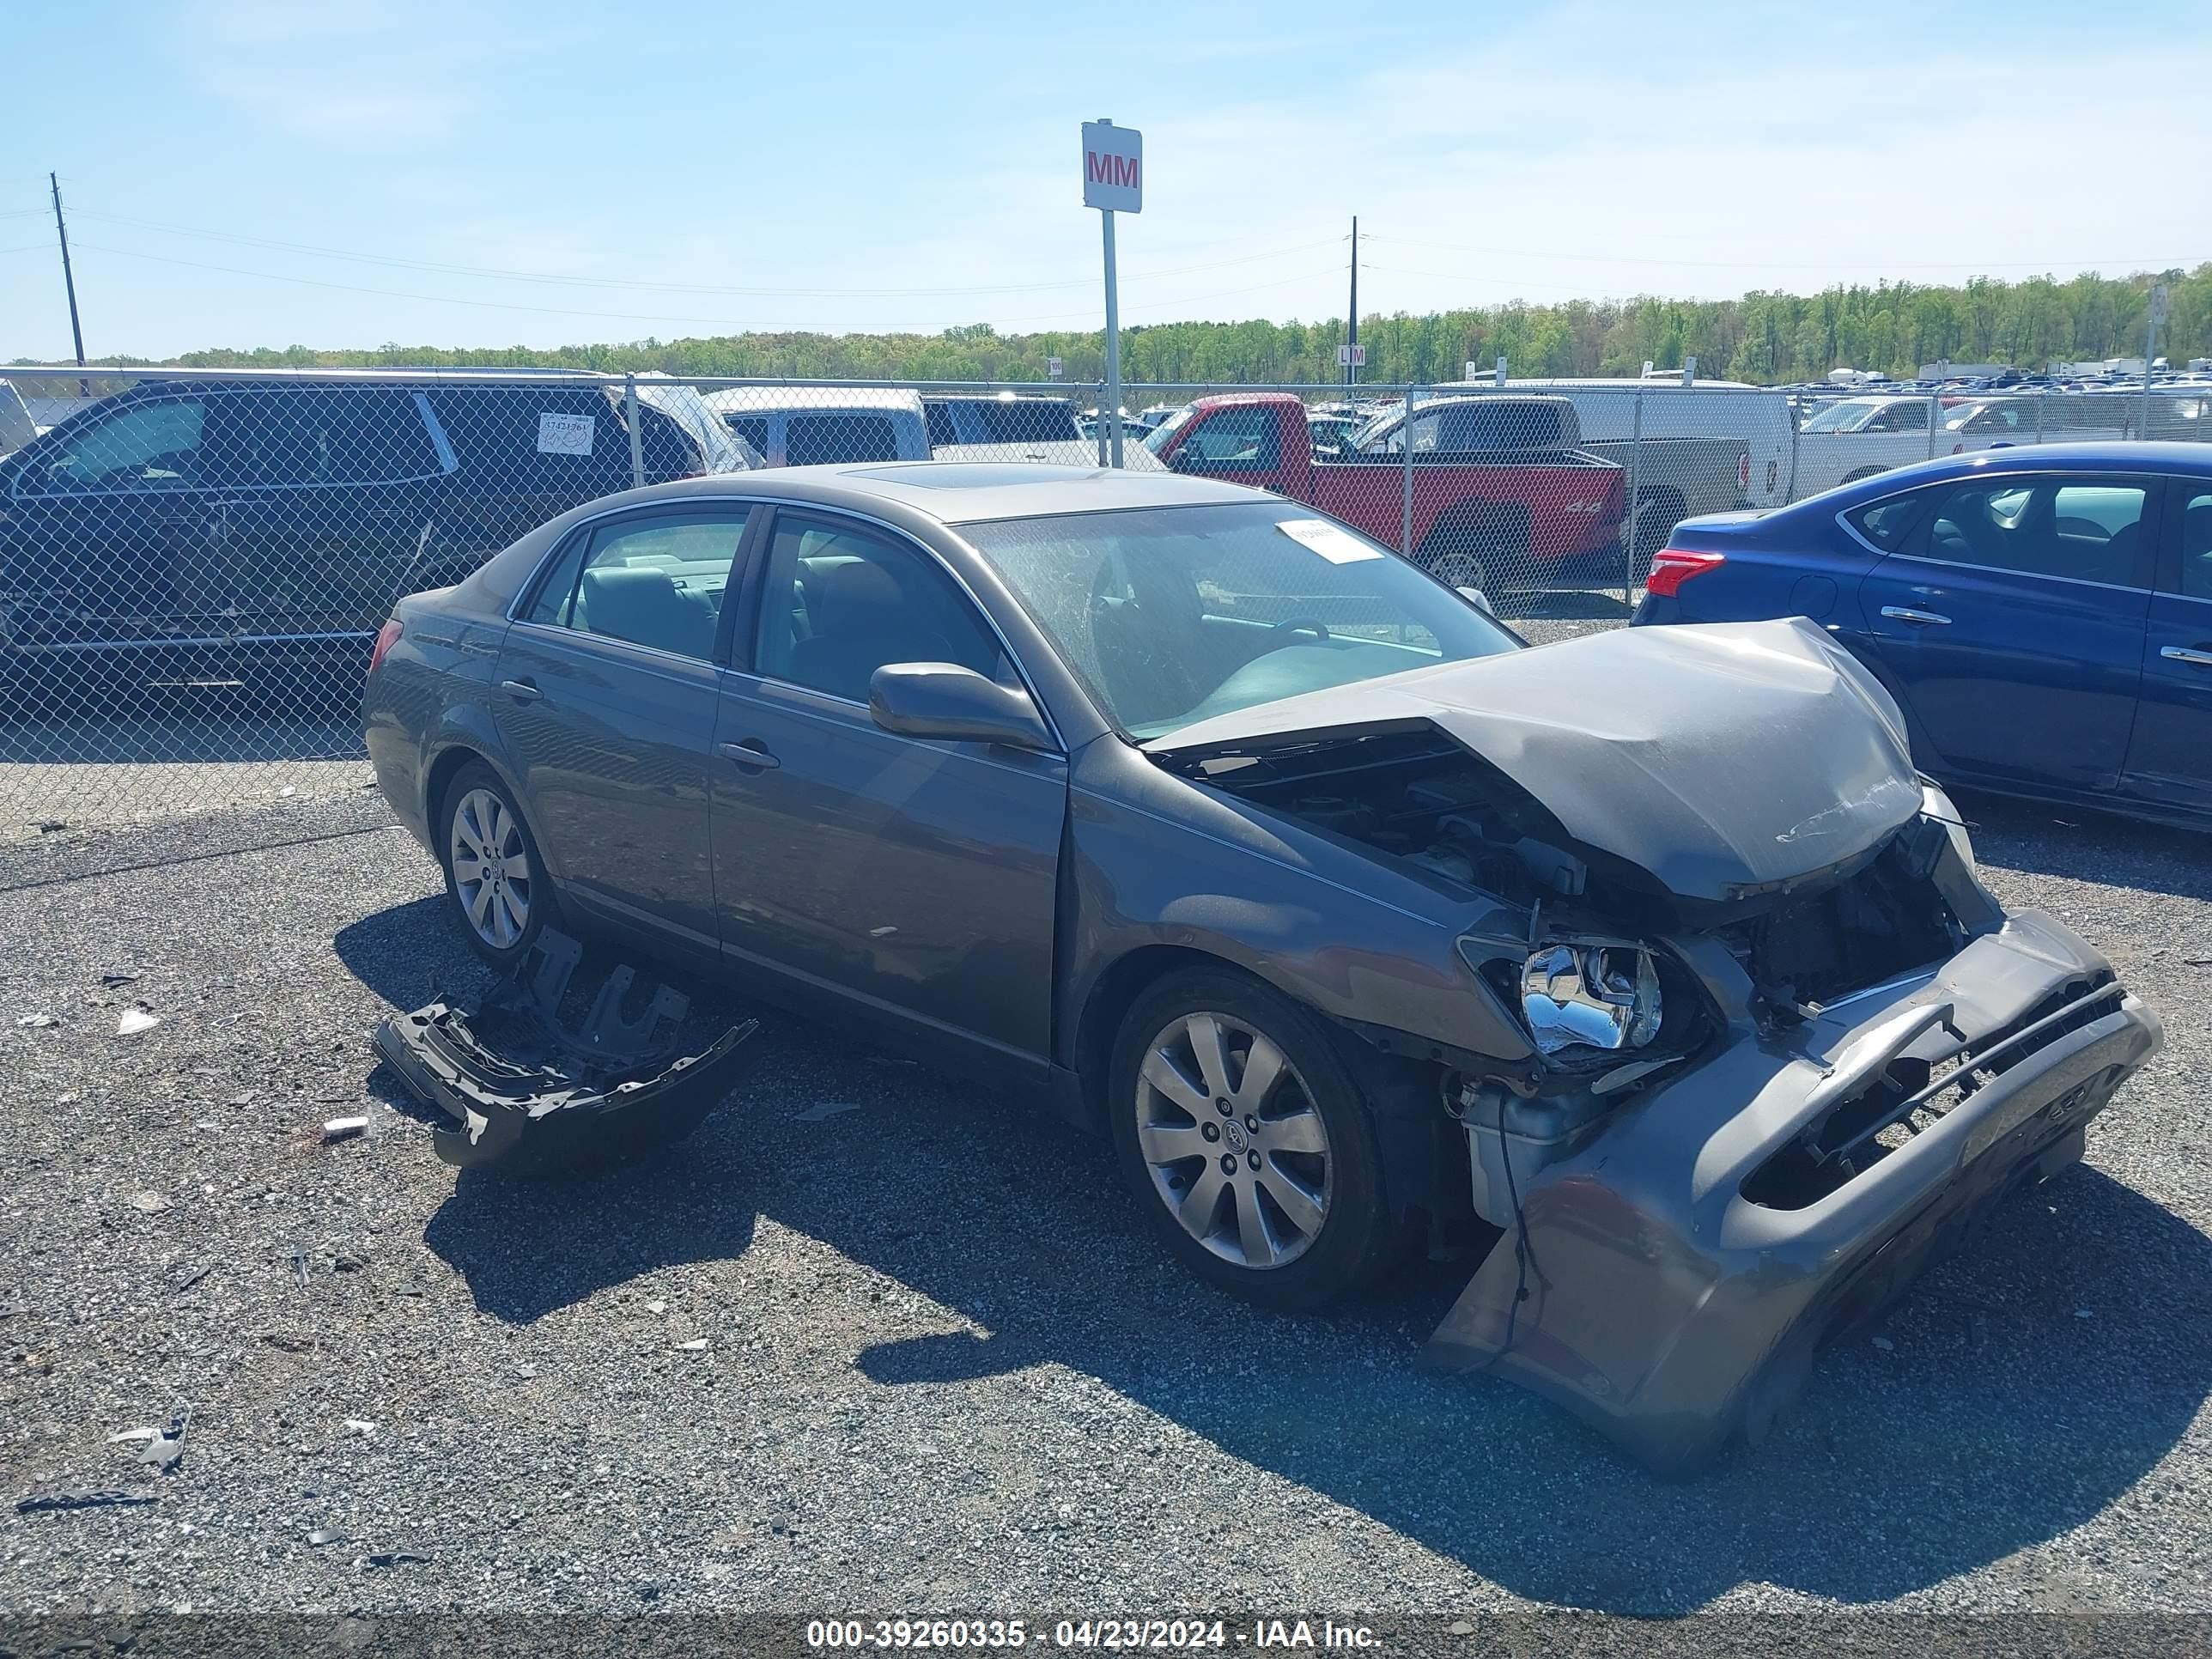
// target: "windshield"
[[1370, 431], [1157, 439], [1846, 416], [1175, 615]]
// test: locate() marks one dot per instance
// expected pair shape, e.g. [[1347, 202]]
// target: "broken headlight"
[[1589, 996]]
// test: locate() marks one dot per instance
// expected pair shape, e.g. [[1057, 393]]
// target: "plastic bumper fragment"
[[524, 1093], [1671, 1282]]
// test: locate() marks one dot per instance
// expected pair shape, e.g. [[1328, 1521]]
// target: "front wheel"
[[1247, 1142], [495, 878]]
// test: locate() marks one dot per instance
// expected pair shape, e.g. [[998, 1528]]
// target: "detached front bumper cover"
[[524, 1093]]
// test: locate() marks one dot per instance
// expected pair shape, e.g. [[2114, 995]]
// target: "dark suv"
[[198, 527]]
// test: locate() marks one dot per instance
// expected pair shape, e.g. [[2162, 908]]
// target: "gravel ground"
[[944, 1368]]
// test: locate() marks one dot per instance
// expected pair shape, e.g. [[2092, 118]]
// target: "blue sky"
[[238, 171]]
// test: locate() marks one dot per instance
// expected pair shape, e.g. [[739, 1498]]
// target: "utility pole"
[[69, 281], [1351, 312]]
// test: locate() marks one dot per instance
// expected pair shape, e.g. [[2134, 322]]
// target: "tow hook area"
[[527, 1094]]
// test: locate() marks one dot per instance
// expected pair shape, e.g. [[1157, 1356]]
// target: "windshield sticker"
[[1332, 542], [565, 434]]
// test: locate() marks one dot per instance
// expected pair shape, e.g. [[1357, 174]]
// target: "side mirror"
[[1478, 598], [944, 701]]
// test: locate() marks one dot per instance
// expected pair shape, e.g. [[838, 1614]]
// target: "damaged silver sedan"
[[1643, 965]]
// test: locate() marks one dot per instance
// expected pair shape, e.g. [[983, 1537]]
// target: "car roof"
[[806, 399], [2107, 455], [961, 492]]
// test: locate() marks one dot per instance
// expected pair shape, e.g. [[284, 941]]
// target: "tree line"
[[1764, 337]]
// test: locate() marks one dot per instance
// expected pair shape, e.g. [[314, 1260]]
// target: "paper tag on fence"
[[564, 435], [1332, 542]]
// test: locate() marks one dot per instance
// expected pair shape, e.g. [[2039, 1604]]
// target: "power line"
[[602, 316], [1759, 265], [505, 274]]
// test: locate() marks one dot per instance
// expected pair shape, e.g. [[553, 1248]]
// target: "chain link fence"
[[194, 564]]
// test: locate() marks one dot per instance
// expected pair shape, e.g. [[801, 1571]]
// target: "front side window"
[[839, 601], [149, 446], [2086, 529], [1174, 615], [2196, 545], [1911, 416], [1230, 438], [659, 582], [821, 440], [751, 430]]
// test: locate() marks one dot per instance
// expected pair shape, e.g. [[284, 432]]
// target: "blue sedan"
[[2043, 616]]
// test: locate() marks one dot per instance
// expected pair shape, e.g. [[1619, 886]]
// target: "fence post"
[[1934, 414], [1628, 536], [1102, 423], [1796, 437], [2038, 417], [636, 436], [1406, 504]]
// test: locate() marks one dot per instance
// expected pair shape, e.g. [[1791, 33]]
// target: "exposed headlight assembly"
[[1600, 996]]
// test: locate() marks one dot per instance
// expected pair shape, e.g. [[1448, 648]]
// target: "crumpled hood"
[[1719, 758]]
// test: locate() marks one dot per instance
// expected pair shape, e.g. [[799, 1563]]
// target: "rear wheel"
[[1247, 1142], [494, 876], [1484, 547]]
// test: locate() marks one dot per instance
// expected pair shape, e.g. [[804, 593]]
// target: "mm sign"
[[1113, 167]]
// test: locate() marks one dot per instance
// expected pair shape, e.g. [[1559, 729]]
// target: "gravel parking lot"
[[943, 1366]]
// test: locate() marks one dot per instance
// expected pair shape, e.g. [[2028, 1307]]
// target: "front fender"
[[1156, 861]]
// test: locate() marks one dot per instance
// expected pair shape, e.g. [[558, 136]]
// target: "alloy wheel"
[[491, 868], [1232, 1139]]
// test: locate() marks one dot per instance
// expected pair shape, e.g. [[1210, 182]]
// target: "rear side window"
[[939, 413], [658, 581], [310, 437], [1887, 523], [2088, 530], [821, 440], [1468, 426], [1909, 416]]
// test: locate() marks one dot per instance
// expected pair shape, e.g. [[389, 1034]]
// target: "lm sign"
[[1113, 167]]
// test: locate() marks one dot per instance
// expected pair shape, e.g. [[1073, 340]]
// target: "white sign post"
[[1113, 182], [1052, 368]]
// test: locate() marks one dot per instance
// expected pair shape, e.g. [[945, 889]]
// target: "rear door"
[[605, 702], [913, 879], [2013, 625], [330, 490], [2170, 759]]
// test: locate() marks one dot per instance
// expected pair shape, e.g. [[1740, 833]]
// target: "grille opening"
[[1813, 948], [1911, 1095]]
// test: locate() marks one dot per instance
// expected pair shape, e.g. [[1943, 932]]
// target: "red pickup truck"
[[1504, 497]]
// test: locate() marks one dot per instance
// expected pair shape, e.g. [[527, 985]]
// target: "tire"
[[1307, 1184], [519, 906], [1479, 550]]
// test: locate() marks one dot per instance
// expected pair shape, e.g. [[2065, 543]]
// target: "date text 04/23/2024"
[[1117, 1635]]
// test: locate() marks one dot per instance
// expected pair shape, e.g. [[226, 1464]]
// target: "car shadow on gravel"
[[2079, 843], [2022, 1388]]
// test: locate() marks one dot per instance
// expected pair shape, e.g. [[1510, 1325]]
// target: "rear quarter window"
[[1887, 523]]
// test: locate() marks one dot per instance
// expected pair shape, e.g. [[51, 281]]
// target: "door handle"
[[751, 755], [521, 690], [1919, 619], [2184, 653]]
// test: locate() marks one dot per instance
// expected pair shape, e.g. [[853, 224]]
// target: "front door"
[[2012, 624], [115, 530], [913, 880], [605, 699], [2170, 760]]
